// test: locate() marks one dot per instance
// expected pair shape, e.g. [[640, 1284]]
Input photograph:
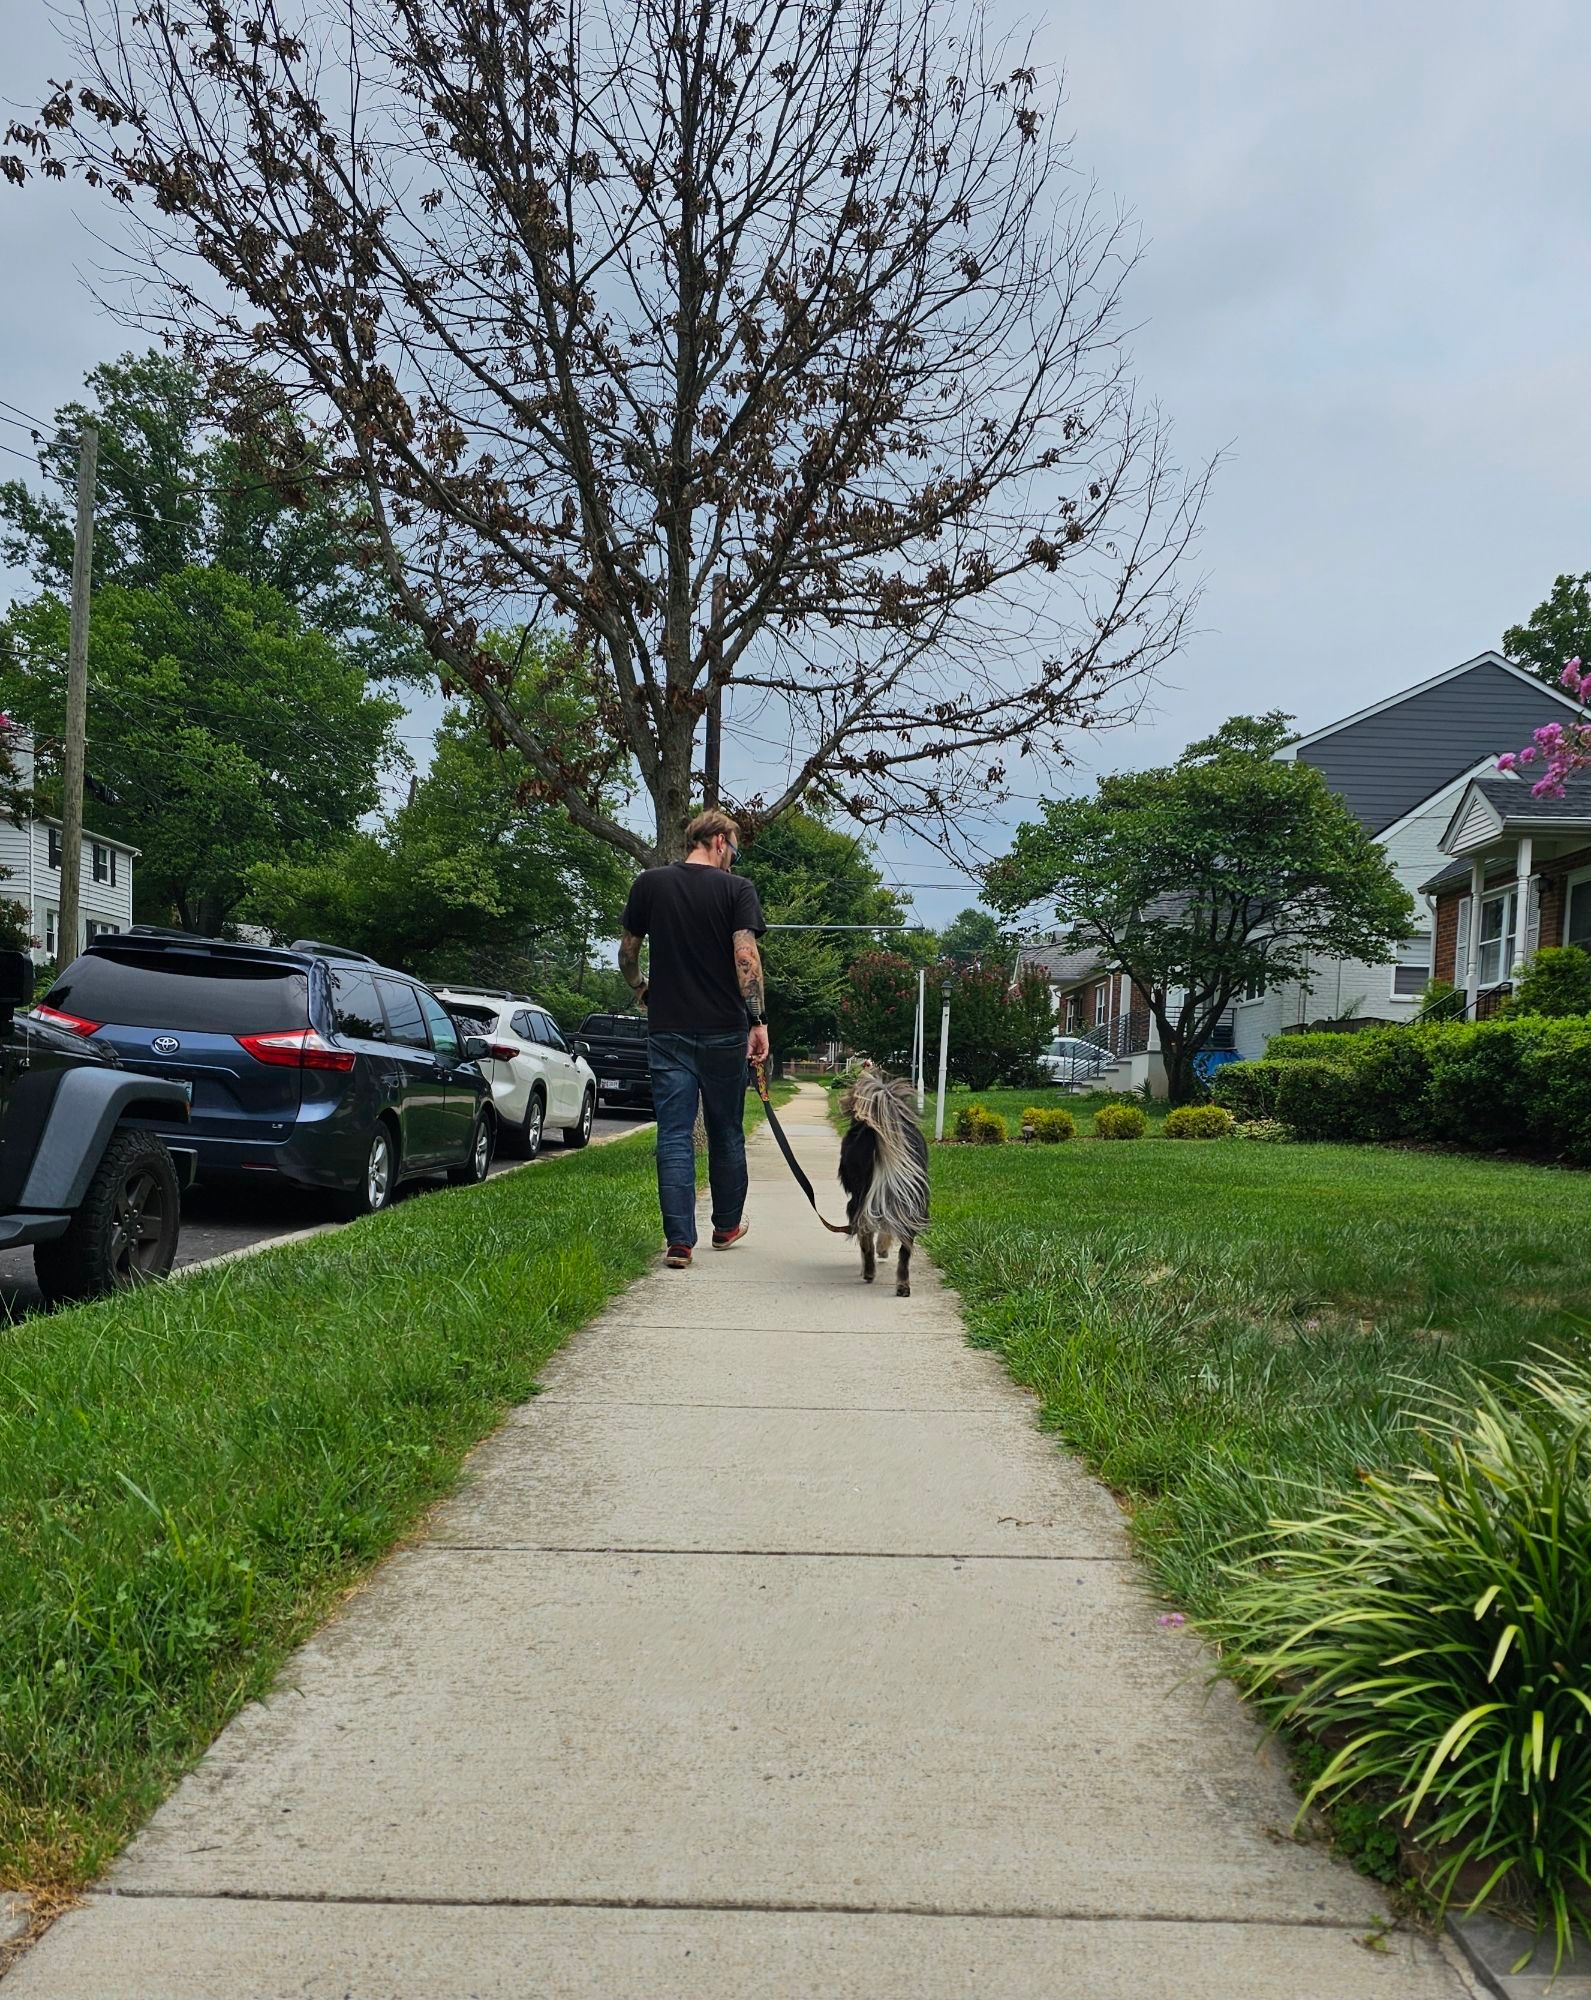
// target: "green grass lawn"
[[190, 1476], [1226, 1331], [1010, 1104]]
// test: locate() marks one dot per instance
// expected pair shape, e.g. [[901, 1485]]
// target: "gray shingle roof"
[[1512, 798], [1060, 966]]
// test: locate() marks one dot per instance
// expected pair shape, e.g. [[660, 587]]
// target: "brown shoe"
[[723, 1238], [678, 1257]]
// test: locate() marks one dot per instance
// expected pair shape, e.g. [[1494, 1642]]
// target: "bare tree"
[[602, 303]]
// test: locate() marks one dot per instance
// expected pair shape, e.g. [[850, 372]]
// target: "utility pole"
[[715, 699], [76, 747]]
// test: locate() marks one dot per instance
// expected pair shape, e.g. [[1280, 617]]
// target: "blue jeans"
[[711, 1068]]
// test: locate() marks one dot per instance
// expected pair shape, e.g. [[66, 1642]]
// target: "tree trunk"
[[1182, 1083]]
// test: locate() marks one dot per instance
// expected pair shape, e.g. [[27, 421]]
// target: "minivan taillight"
[[73, 1023], [296, 1048]]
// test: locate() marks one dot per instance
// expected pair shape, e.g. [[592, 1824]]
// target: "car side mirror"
[[476, 1048], [582, 1048], [17, 974]]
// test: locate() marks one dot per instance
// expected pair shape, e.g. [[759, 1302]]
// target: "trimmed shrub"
[[1319, 1100], [1433, 1624], [1050, 1127], [1480, 1092], [1200, 1121], [1120, 1121], [1315, 1046], [1556, 982], [1265, 1131], [976, 1126], [1557, 1077], [1392, 1073], [1248, 1089]]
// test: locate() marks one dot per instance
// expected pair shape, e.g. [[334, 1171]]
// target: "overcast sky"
[[1367, 279]]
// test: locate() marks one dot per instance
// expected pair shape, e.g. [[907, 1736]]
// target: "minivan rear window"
[[205, 995]]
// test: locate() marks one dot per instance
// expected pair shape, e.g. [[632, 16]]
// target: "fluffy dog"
[[884, 1172]]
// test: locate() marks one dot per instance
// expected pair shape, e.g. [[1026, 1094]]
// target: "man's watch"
[[756, 1020]]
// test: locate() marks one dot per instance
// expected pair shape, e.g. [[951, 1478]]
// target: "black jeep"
[[84, 1177]]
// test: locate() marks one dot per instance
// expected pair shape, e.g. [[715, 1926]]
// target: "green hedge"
[[1520, 1084]]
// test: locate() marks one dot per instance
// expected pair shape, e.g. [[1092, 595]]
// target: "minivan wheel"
[[125, 1231], [478, 1161], [378, 1182], [580, 1135]]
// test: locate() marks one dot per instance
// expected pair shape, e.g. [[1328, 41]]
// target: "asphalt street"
[[216, 1220]]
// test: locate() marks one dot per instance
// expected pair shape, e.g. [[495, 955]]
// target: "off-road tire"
[[135, 1179], [576, 1136]]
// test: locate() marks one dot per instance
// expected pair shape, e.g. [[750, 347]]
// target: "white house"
[[31, 856], [1401, 766]]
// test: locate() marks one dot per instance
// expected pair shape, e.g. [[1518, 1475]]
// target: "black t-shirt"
[[690, 914]]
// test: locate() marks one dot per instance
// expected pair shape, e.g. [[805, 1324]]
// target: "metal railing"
[[1126, 1036], [1454, 1006]]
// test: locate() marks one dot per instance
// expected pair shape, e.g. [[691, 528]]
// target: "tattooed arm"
[[630, 965], [748, 970]]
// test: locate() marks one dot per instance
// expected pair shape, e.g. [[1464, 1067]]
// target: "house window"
[[1496, 937], [1577, 912], [95, 929], [55, 847], [51, 919], [1255, 989], [1101, 1003], [1412, 972], [102, 864]]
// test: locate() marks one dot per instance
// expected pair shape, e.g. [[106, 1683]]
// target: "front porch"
[[1519, 880]]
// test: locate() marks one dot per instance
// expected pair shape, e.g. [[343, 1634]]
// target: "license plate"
[[609, 1083]]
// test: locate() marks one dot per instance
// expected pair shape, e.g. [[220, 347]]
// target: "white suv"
[[537, 1079]]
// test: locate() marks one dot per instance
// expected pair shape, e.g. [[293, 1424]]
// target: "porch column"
[[1472, 967], [1522, 862]]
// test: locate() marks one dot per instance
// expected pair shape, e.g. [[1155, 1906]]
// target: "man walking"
[[703, 996]]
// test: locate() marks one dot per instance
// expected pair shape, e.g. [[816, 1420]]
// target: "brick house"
[[1518, 878]]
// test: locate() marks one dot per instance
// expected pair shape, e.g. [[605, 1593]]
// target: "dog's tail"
[[898, 1194]]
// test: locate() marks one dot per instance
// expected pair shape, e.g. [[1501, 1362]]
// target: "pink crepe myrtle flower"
[[1563, 747], [1507, 761]]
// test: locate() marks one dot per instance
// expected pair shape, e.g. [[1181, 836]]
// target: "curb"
[[331, 1228]]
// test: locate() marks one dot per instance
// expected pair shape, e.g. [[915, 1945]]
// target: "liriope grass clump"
[[1433, 1626]]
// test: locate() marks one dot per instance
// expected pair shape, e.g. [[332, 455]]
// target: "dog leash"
[[759, 1071]]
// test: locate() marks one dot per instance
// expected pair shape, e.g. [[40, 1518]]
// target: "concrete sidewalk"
[[771, 1652]]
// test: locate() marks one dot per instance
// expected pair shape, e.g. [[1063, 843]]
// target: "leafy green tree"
[[1229, 867], [878, 1010], [465, 882], [224, 731], [808, 872], [1556, 631], [973, 937], [997, 1030], [173, 494]]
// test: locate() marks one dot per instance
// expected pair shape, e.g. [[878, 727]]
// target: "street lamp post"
[[944, 1053], [920, 1038]]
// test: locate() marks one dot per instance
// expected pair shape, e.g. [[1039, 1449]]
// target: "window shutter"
[[1532, 924], [1461, 955]]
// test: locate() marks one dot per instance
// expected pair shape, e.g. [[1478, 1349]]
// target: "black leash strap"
[[759, 1071]]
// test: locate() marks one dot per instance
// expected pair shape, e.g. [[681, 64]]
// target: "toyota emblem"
[[166, 1045]]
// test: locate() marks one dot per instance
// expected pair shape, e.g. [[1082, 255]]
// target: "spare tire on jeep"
[[125, 1229]]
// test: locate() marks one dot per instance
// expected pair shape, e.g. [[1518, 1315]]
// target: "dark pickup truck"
[[617, 1052]]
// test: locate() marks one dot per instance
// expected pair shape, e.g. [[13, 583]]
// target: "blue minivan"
[[306, 1063]]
